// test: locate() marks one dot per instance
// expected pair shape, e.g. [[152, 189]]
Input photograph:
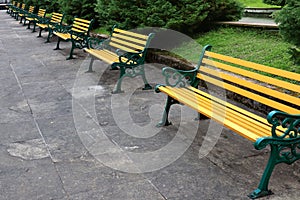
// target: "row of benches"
[[124, 50], [280, 129]]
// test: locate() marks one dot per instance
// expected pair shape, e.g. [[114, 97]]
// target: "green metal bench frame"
[[78, 33], [280, 129], [123, 50], [50, 24], [35, 18], [25, 13]]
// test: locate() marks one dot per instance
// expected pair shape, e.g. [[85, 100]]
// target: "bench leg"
[[147, 85], [71, 53], [262, 189], [40, 33], [28, 27], [165, 118], [57, 44], [50, 32], [34, 25], [201, 117], [91, 65], [119, 83]]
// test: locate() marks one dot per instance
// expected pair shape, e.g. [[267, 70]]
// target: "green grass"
[[101, 30], [256, 4], [260, 46]]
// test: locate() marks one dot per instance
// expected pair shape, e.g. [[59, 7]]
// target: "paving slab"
[[64, 135]]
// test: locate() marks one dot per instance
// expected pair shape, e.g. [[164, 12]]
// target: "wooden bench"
[[281, 127], [123, 49], [77, 33], [25, 13], [35, 18], [50, 24]]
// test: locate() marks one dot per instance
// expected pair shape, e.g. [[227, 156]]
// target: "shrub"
[[80, 8], [275, 2], [289, 26], [181, 15], [289, 21]]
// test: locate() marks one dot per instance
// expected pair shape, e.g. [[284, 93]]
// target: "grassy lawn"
[[256, 4], [263, 47]]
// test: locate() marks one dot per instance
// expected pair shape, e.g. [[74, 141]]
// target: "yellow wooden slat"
[[41, 12], [43, 26], [237, 117], [135, 40], [64, 36], [253, 86], [106, 56], [130, 45], [218, 108], [122, 47], [56, 17], [129, 33], [256, 118], [31, 9], [252, 65], [238, 109], [253, 75], [57, 14], [79, 24], [82, 20], [78, 30], [250, 95]]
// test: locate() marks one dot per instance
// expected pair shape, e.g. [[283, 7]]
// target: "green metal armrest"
[[180, 78], [132, 59], [44, 20], [96, 43], [291, 124], [62, 29]]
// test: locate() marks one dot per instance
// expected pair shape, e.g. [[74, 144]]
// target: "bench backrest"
[[41, 12], [252, 80], [18, 5], [82, 25], [129, 41], [31, 9], [23, 6], [56, 18]]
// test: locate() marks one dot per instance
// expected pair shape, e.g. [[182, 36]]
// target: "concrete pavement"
[[63, 135]]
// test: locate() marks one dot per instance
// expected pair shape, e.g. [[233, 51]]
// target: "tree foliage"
[[275, 2], [49, 5], [288, 19], [80, 8], [181, 15]]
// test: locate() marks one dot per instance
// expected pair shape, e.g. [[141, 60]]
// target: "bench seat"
[[241, 121], [105, 55], [223, 75]]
